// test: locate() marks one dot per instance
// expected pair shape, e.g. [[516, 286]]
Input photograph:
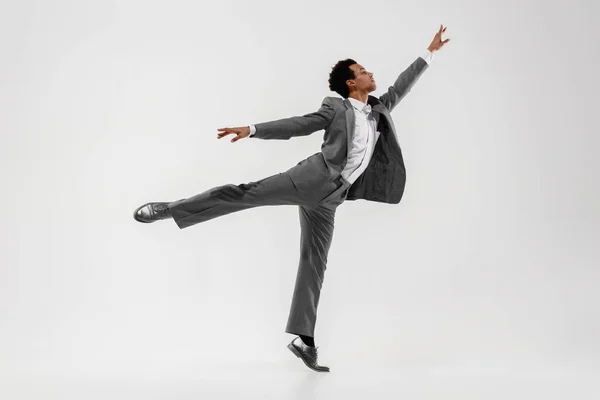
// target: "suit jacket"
[[385, 177]]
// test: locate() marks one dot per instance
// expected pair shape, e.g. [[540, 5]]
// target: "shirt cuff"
[[427, 56], [252, 130]]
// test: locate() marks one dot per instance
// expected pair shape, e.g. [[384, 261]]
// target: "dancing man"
[[360, 158]]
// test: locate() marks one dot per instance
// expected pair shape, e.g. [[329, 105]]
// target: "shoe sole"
[[294, 350]]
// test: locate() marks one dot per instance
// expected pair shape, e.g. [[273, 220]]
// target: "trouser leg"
[[274, 190], [316, 225]]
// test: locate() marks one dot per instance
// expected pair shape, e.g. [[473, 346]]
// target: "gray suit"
[[315, 185]]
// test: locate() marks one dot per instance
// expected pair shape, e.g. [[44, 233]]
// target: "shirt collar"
[[359, 105]]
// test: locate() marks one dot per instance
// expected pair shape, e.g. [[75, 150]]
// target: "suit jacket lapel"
[[377, 107], [350, 120]]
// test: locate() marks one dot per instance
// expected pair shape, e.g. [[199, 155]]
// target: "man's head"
[[348, 76]]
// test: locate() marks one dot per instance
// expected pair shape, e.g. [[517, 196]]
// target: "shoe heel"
[[293, 350]]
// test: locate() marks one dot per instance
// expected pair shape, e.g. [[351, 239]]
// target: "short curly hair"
[[340, 73]]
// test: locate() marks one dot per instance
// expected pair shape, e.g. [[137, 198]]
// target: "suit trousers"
[[317, 196]]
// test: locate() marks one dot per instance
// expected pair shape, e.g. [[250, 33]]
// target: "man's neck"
[[362, 97]]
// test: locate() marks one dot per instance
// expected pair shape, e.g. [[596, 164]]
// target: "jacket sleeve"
[[286, 128], [404, 83]]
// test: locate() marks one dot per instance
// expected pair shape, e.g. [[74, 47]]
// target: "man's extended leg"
[[274, 190]]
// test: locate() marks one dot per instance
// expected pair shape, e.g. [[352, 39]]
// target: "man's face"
[[363, 80]]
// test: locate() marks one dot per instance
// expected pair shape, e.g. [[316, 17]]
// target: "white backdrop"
[[490, 260]]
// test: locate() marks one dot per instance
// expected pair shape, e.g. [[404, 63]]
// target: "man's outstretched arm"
[[410, 76], [296, 126], [405, 81], [286, 128]]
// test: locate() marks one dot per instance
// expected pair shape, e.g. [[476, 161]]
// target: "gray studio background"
[[490, 260]]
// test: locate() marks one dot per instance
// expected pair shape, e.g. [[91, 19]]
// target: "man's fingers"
[[226, 131]]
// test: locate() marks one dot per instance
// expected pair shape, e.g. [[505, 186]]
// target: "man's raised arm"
[[410, 76]]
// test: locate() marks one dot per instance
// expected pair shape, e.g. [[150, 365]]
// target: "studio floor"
[[292, 380]]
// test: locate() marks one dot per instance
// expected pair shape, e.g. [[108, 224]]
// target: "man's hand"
[[241, 132], [437, 42]]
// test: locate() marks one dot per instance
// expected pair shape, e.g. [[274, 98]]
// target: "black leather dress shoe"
[[308, 354], [151, 212]]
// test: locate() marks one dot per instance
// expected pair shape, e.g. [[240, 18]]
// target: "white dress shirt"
[[365, 136]]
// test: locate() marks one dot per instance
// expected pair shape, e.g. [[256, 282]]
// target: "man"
[[360, 158]]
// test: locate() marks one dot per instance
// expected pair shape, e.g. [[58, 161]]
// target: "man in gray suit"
[[360, 158]]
